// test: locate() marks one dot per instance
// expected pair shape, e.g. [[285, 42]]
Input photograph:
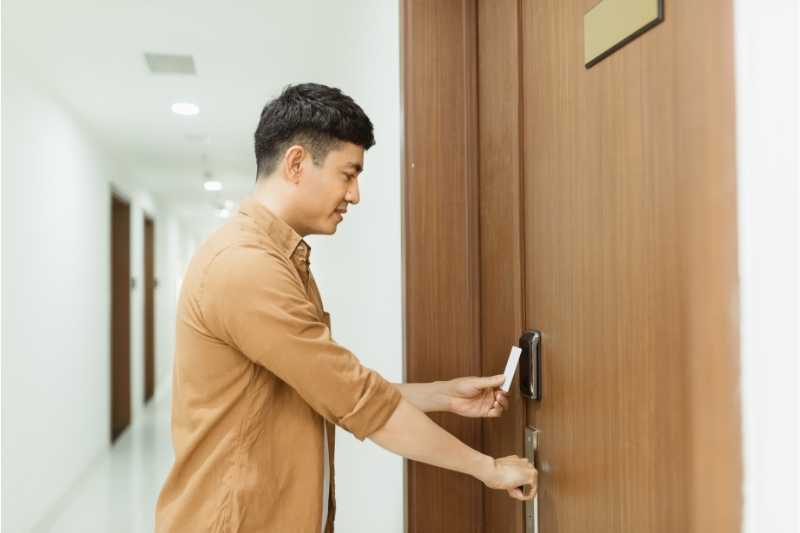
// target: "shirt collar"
[[285, 237]]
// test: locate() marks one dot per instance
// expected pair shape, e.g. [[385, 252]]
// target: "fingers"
[[496, 411], [516, 493], [523, 495], [528, 491], [492, 381], [500, 404], [501, 398]]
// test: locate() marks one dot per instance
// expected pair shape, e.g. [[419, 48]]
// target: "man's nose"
[[352, 195]]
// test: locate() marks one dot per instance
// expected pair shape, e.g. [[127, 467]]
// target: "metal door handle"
[[532, 506]]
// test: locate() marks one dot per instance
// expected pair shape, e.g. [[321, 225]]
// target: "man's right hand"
[[511, 474]]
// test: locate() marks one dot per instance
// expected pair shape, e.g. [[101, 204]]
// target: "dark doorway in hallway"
[[150, 285], [120, 317]]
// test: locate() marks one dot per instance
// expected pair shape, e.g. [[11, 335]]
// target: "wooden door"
[[629, 224], [605, 203], [120, 317], [149, 309], [625, 207]]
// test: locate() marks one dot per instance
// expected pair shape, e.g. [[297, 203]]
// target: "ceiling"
[[91, 54]]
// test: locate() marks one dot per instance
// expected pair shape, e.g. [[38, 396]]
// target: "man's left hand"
[[476, 397]]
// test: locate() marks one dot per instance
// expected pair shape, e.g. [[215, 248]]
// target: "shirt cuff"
[[373, 409]]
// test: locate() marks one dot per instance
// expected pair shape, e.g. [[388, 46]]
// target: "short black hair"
[[315, 116]]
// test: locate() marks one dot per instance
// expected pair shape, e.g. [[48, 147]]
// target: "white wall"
[[359, 268], [57, 183], [168, 273], [767, 66], [55, 242]]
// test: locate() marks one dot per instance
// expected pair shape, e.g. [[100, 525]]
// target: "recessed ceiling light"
[[185, 108], [212, 185]]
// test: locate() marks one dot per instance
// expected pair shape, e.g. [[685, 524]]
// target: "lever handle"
[[532, 506]]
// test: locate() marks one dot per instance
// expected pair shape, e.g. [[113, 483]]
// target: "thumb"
[[494, 381]]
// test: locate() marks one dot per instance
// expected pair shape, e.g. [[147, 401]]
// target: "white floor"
[[118, 491]]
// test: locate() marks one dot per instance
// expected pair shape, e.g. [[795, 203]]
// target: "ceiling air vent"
[[170, 64]]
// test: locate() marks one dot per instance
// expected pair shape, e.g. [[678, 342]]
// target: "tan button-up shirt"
[[255, 372]]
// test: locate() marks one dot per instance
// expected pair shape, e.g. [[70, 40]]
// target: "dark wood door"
[[120, 317], [149, 309], [597, 206]]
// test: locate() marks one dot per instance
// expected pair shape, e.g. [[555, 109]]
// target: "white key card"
[[511, 367]]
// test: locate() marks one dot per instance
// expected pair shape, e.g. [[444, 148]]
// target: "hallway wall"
[[768, 138], [57, 182]]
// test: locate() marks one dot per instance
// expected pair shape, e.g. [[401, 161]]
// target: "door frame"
[[442, 329]]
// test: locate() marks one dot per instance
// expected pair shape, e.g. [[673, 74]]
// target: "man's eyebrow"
[[356, 166]]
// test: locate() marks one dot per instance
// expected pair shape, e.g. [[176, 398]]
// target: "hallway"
[[95, 115], [118, 491], [152, 107]]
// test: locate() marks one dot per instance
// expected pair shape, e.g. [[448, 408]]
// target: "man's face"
[[325, 192]]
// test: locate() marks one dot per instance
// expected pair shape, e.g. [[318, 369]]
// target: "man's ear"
[[293, 161]]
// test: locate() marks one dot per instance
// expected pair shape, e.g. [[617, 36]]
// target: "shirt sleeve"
[[255, 301]]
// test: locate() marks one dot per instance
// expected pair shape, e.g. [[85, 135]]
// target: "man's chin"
[[334, 227], [330, 230]]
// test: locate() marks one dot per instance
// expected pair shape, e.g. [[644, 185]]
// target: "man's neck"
[[268, 194]]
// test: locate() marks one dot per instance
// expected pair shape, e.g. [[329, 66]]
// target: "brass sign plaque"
[[612, 24]]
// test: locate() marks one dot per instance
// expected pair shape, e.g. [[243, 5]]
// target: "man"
[[258, 382]]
